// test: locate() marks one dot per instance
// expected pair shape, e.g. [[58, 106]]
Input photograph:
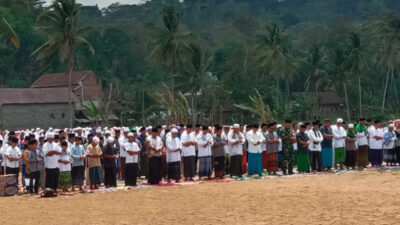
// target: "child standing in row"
[[64, 180], [78, 164], [35, 166]]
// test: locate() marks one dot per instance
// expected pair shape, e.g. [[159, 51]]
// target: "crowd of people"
[[85, 158]]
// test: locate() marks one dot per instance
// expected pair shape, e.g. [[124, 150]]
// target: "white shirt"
[[225, 138], [188, 150], [131, 146], [65, 167], [375, 144], [252, 139], [122, 140], [362, 138], [201, 141], [172, 144], [236, 149], [339, 135], [51, 162], [13, 152], [315, 140], [264, 143]]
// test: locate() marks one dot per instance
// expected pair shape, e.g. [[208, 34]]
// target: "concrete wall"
[[22, 116]]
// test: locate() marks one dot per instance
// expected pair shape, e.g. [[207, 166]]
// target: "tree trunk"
[[143, 107], [316, 100], [347, 101], [69, 74], [277, 93], [385, 89], [394, 87], [360, 111]]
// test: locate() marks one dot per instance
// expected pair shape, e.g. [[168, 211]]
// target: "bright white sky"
[[105, 3]]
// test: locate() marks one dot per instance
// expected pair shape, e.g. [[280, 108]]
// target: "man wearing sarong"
[[272, 142], [303, 157], [204, 143], [361, 131], [189, 144], [236, 140], [254, 138], [339, 135], [376, 143], [174, 147], [218, 152], [154, 149]]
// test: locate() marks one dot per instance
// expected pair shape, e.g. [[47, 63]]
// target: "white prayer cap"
[[130, 134], [149, 128], [107, 132], [110, 140], [391, 125], [351, 126], [117, 128], [50, 128], [38, 128], [340, 120], [78, 128], [126, 129], [174, 130], [96, 140], [164, 126], [105, 128], [279, 126], [50, 135], [236, 125], [98, 130]]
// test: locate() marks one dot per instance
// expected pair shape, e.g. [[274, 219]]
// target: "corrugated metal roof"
[[35, 96]]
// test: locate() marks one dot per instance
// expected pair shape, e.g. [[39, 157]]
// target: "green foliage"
[[259, 107], [214, 53]]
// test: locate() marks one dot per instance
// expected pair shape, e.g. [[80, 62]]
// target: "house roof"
[[330, 98], [35, 96], [61, 79]]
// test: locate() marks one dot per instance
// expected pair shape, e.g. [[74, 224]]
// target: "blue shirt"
[[326, 143], [77, 152]]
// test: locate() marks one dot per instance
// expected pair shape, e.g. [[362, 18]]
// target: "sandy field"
[[369, 197]]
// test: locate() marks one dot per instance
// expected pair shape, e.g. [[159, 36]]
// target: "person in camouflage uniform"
[[287, 148]]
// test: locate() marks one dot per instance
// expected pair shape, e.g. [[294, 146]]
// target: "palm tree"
[[60, 23], [314, 63], [390, 35], [170, 44], [8, 32], [355, 62], [340, 77], [196, 77], [92, 111], [386, 29], [274, 55], [258, 107], [175, 105]]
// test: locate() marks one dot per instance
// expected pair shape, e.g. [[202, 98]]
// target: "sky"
[[104, 3]]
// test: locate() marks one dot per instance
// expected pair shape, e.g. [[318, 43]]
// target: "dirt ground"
[[369, 197]]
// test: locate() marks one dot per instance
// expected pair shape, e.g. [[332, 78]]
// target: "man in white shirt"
[[264, 131], [204, 143], [154, 150], [52, 152], [361, 131], [189, 143], [174, 147], [12, 157], [254, 138], [376, 142], [122, 152], [131, 160], [316, 138], [236, 140], [339, 135]]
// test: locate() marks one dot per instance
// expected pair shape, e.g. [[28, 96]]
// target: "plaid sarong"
[[205, 166], [272, 161]]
